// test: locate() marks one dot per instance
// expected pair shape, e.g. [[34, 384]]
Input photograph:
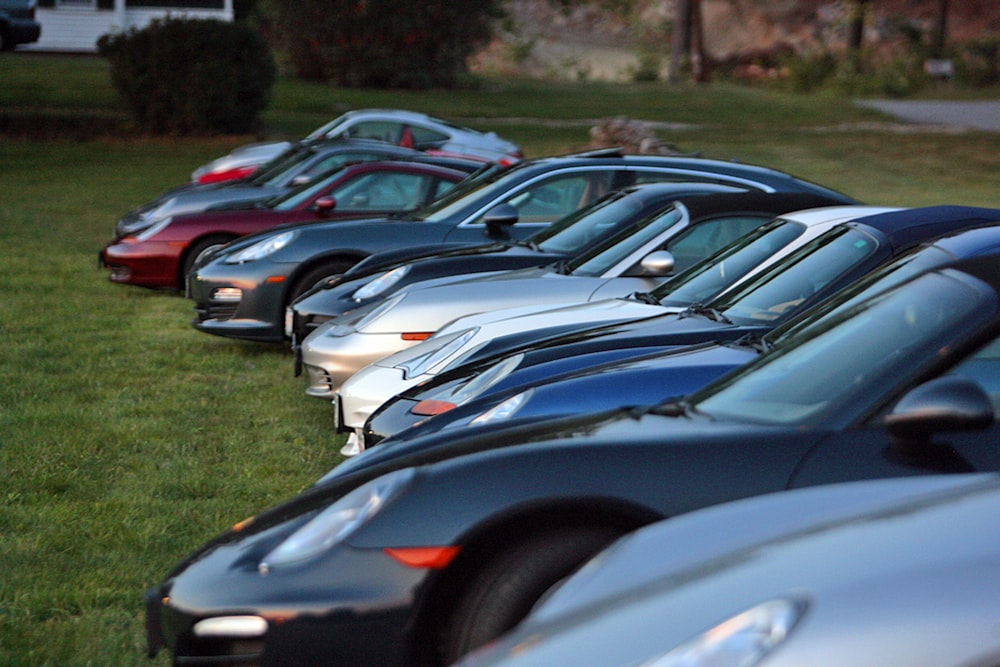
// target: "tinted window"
[[827, 366]]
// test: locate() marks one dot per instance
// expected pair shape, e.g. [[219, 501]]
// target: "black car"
[[802, 279], [18, 24], [415, 556], [242, 291]]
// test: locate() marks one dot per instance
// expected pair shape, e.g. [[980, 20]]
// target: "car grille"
[[215, 311]]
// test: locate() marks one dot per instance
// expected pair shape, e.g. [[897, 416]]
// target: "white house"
[[75, 25]]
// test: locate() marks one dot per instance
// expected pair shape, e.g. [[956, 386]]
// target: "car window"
[[711, 276], [800, 275], [825, 370], [388, 190], [983, 368], [555, 197], [425, 137], [698, 242], [582, 227], [335, 161], [615, 249], [379, 130]]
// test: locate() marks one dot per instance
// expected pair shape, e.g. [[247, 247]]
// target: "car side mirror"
[[950, 403], [657, 263], [500, 217], [325, 205]]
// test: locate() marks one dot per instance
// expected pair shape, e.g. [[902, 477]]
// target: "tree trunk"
[[680, 39]]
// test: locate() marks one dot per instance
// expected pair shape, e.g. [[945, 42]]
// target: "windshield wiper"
[[673, 407], [757, 342], [704, 311], [645, 297], [530, 245]]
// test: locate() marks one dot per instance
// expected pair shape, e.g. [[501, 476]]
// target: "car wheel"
[[508, 586], [315, 276], [198, 250]]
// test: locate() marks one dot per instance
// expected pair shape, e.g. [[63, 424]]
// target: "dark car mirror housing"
[[498, 218], [950, 403], [325, 205], [657, 263]]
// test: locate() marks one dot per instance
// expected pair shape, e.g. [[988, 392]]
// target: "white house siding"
[[76, 29]]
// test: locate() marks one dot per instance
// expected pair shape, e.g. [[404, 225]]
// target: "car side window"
[[707, 237], [983, 368], [388, 191], [550, 199], [425, 137], [379, 130]]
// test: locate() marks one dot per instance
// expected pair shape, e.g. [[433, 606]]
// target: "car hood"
[[431, 308], [537, 319]]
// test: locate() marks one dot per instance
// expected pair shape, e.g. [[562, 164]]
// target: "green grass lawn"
[[127, 438]]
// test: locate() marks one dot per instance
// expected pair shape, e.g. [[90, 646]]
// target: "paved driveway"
[[980, 115]]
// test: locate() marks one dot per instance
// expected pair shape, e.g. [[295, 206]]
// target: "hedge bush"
[[380, 43], [191, 76]]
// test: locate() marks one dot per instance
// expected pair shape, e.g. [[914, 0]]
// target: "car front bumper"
[[151, 265], [330, 360], [351, 608], [235, 304]]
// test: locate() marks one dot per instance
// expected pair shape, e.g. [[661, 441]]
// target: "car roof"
[[828, 214], [915, 224], [700, 206], [971, 242]]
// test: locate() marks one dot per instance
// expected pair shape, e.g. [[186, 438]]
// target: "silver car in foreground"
[[868, 574]]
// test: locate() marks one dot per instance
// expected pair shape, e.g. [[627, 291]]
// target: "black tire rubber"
[[315, 275], [506, 588], [194, 250]]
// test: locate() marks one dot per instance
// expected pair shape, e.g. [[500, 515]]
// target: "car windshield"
[[606, 254], [894, 334], [711, 276], [280, 165], [305, 193], [783, 287], [919, 260], [578, 229]]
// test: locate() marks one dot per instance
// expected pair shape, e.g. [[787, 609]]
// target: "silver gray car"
[[865, 574]]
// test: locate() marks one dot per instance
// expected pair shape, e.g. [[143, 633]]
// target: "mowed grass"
[[127, 438]]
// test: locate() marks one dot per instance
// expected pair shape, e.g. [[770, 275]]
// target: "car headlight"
[[447, 346], [381, 284], [336, 523], [450, 396], [503, 411], [262, 248], [740, 641], [154, 229]]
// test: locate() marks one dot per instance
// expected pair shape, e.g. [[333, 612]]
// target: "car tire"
[[196, 250], [315, 276], [503, 591]]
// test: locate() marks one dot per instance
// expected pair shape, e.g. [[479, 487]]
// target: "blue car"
[[644, 362]]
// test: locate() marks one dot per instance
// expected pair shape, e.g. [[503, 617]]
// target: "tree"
[[687, 46], [381, 43]]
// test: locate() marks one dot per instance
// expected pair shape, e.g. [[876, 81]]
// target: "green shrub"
[[380, 43], [191, 76], [810, 71]]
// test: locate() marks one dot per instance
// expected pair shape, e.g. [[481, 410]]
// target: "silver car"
[[638, 257], [396, 126], [867, 574]]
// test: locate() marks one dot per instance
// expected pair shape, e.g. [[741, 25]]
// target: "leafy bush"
[[810, 71], [191, 76], [380, 43]]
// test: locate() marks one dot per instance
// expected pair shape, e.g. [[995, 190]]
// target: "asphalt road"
[[979, 115]]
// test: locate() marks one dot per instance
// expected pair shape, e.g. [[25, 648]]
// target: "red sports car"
[[159, 257]]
